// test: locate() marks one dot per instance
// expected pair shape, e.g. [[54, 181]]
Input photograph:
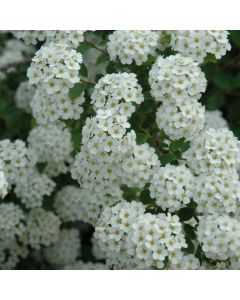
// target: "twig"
[[96, 47], [88, 81]]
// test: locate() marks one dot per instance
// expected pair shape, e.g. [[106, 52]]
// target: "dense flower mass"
[[220, 237], [216, 194], [71, 37], [198, 43], [42, 228], [215, 150], [52, 143], [66, 250], [24, 96], [17, 161], [176, 78], [132, 45], [54, 70], [172, 187], [112, 156], [184, 119]]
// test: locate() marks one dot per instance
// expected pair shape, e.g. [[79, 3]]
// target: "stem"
[[88, 81], [96, 47]]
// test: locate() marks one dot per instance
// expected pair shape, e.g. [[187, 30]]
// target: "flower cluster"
[[66, 250], [217, 195], [70, 37], [114, 98], [3, 184], [172, 187], [68, 202], [176, 78], [198, 43], [42, 228], [18, 161], [24, 96], [51, 143], [145, 238], [132, 45], [214, 119], [214, 151], [80, 265], [184, 119], [220, 237], [32, 192], [54, 70]]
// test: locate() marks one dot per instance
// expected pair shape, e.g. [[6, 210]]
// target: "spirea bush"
[[120, 149]]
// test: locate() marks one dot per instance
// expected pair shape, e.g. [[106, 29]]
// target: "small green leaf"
[[176, 145], [77, 90], [224, 81], [83, 47], [102, 58], [210, 58], [141, 138], [167, 158], [77, 139], [83, 71], [190, 231], [145, 197], [185, 214]]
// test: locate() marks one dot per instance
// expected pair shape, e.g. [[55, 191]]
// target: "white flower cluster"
[[24, 96], [70, 37], [214, 119], [68, 203], [42, 228], [32, 192], [80, 265], [188, 262], [132, 45], [11, 252], [66, 250], [198, 43], [3, 184], [52, 144], [172, 187], [176, 78], [14, 51], [183, 119], [54, 70], [11, 222], [96, 250], [145, 238], [17, 161], [215, 151], [217, 195], [114, 99], [220, 237]]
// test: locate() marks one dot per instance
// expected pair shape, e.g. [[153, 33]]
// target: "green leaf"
[[190, 246], [214, 102], [141, 138], [210, 58], [224, 81], [176, 145], [167, 158], [145, 197], [83, 47], [185, 214], [102, 58], [77, 90], [190, 231], [77, 139], [235, 37], [83, 71]]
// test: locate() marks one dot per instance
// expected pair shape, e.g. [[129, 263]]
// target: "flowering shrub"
[[120, 149]]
